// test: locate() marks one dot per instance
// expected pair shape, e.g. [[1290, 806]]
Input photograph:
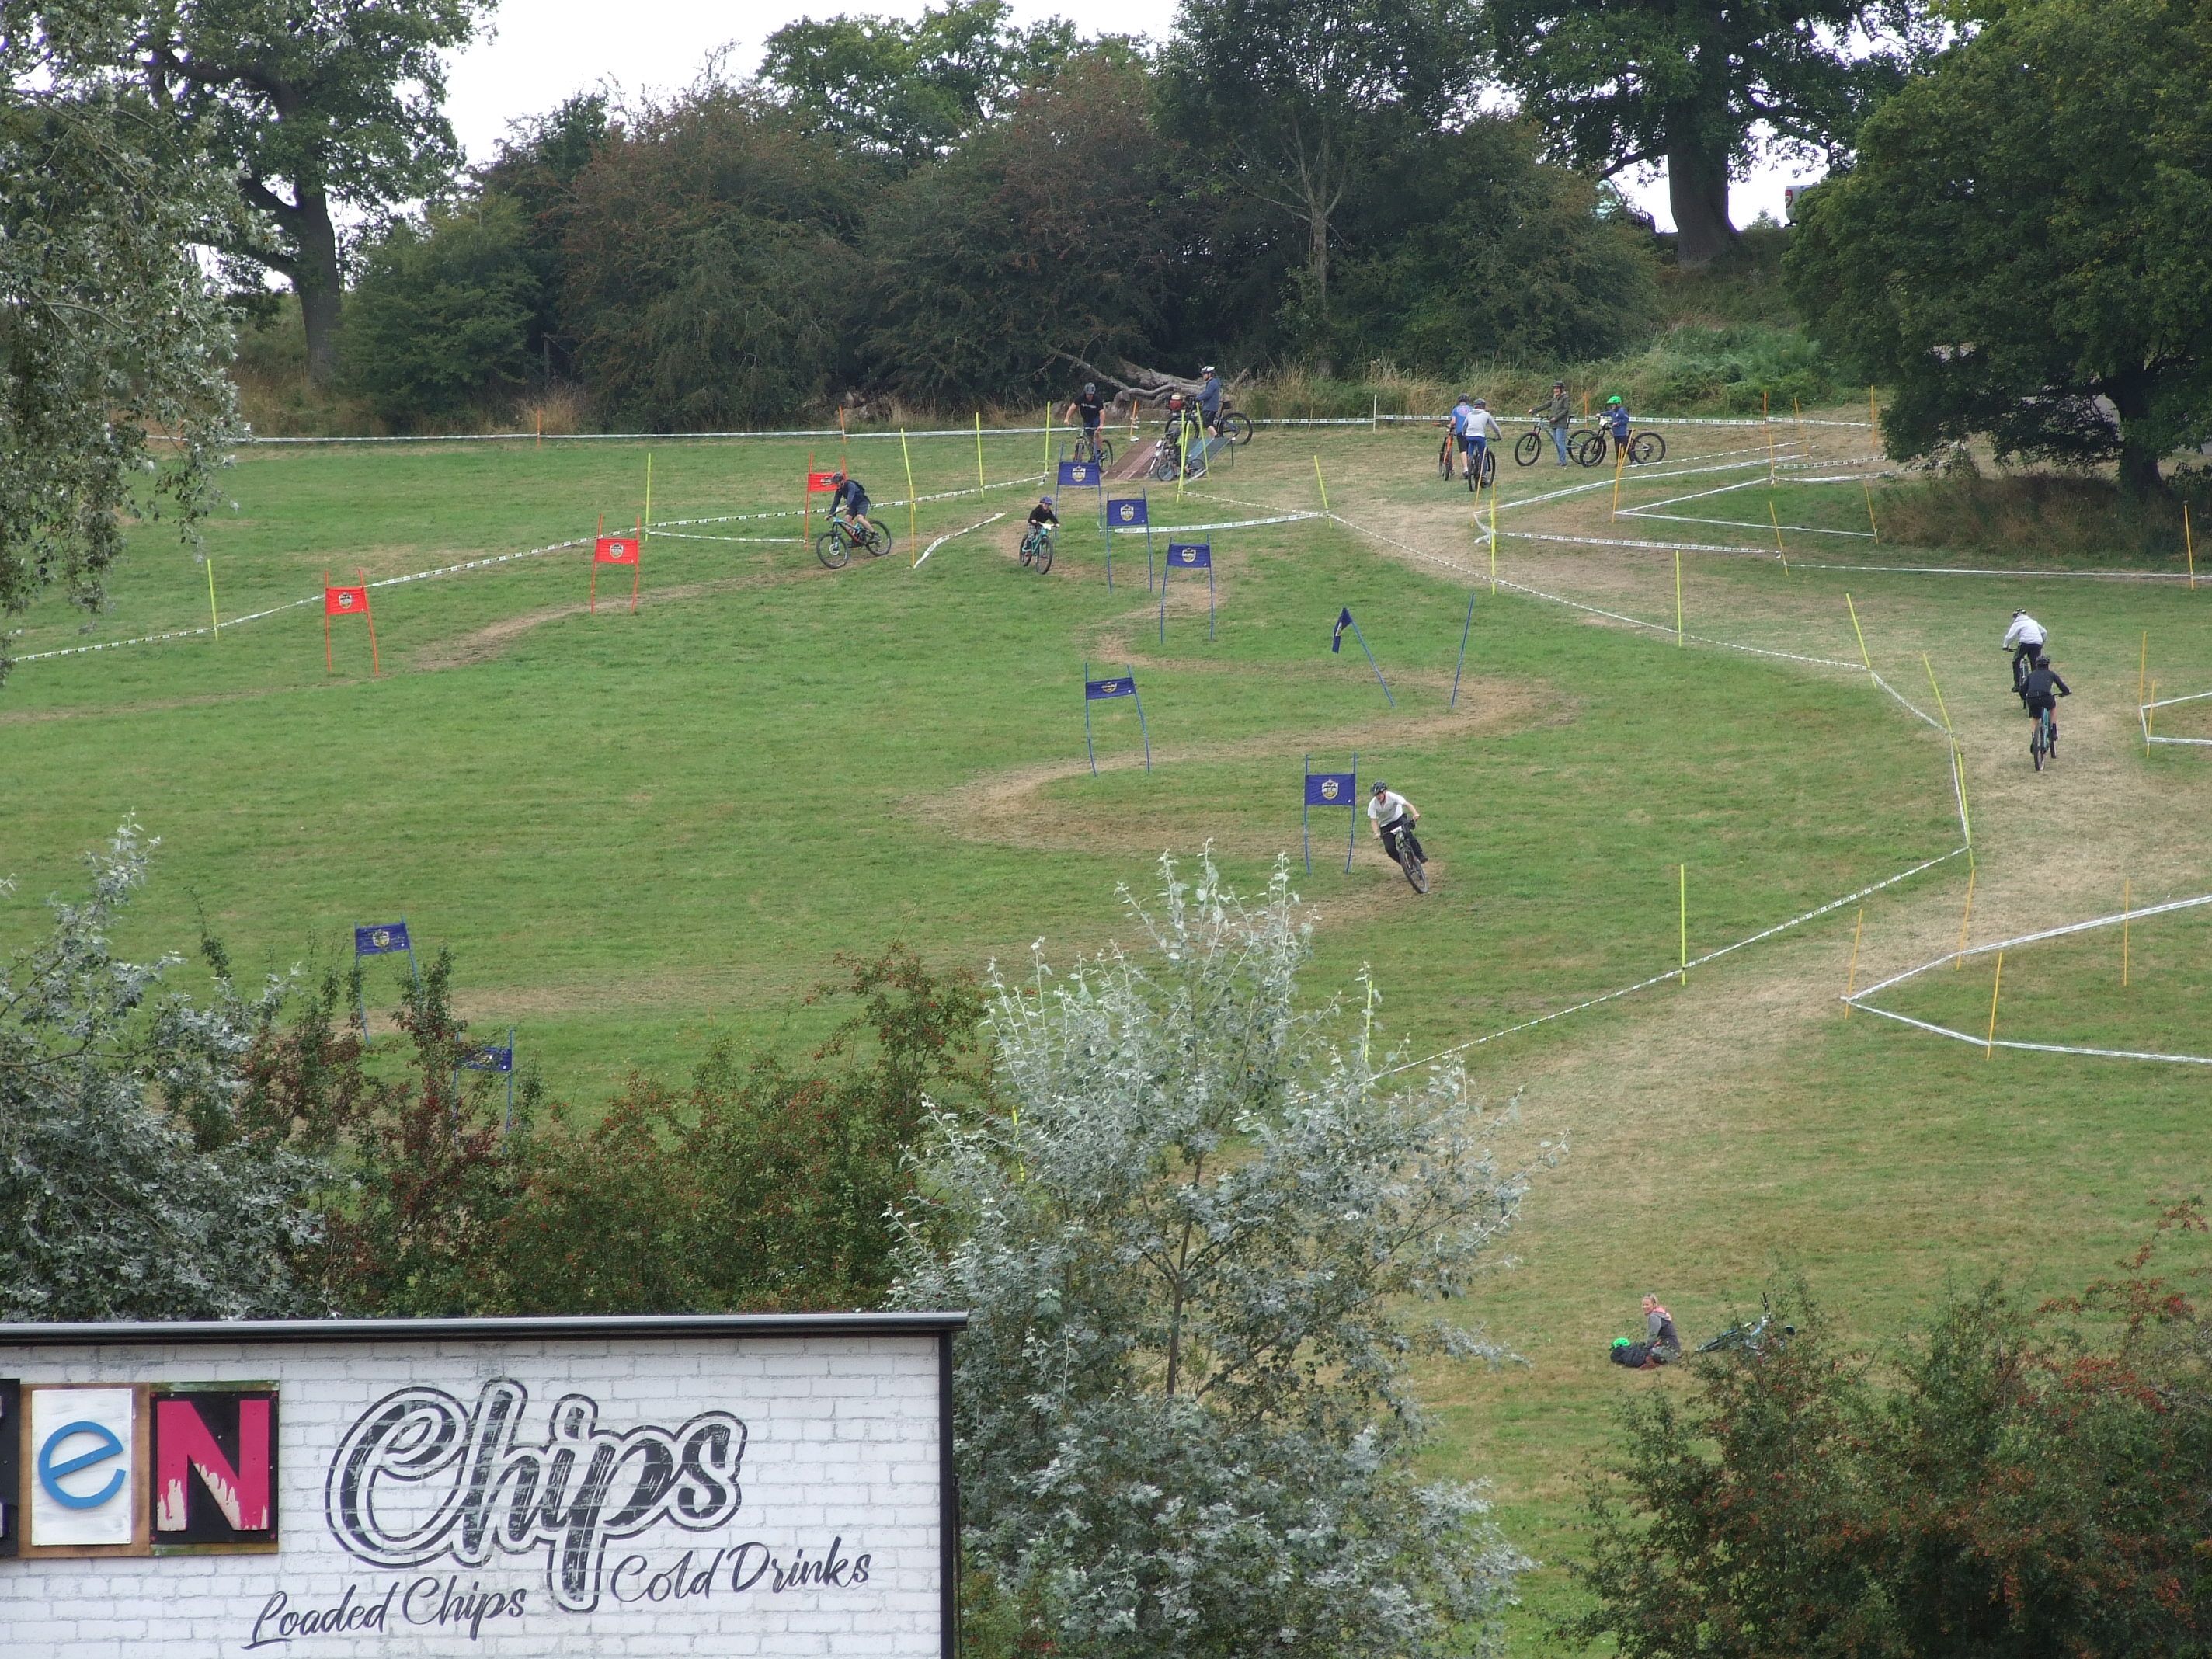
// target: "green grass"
[[638, 832]]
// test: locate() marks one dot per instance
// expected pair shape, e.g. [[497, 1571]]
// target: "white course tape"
[[954, 534], [1858, 1000]]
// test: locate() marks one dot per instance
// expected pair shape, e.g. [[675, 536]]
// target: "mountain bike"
[[1091, 447], [1036, 548], [1445, 452], [835, 545], [1646, 449], [1586, 447], [1749, 1339], [2043, 740], [1405, 853], [1236, 428], [1489, 469]]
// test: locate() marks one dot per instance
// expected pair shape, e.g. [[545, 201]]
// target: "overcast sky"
[[541, 50]]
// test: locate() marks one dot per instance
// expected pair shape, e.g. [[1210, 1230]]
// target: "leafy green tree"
[[1193, 1242], [442, 312], [2021, 250], [2012, 1487], [107, 326], [900, 94], [1056, 233], [319, 111], [711, 273], [536, 168], [1298, 102], [132, 1186], [1478, 252], [1624, 83]]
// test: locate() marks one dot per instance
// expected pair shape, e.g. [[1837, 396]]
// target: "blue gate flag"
[[489, 1059], [1078, 475], [1128, 513], [1098, 691], [381, 939], [1343, 622], [1332, 789], [1191, 556]]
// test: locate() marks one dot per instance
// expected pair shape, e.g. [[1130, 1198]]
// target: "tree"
[[441, 315], [108, 329], [131, 1184], [990, 264], [2009, 1487], [1297, 102], [899, 93], [2024, 235], [1624, 83], [711, 273], [536, 168], [321, 110], [1192, 1242]]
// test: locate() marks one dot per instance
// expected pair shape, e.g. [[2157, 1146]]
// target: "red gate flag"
[[349, 602], [820, 483], [345, 601], [616, 549]]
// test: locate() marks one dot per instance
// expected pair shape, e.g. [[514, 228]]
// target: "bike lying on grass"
[[835, 545], [1750, 1339], [1036, 548]]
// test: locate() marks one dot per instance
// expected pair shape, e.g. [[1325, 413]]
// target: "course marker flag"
[[349, 602], [616, 550], [1103, 691], [381, 939], [1188, 555], [1330, 789], [820, 483], [1336, 644], [1078, 475], [490, 1058], [1128, 513]]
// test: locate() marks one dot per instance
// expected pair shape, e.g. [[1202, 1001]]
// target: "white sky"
[[541, 50]]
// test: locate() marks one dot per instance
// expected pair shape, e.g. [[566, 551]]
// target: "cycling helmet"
[[2017, 614], [1208, 369], [2043, 662], [1622, 1342], [1175, 400], [1044, 500], [1091, 388], [1480, 404], [1610, 401], [838, 476], [1378, 788]]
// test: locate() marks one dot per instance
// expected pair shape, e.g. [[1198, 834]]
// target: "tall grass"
[[2075, 518]]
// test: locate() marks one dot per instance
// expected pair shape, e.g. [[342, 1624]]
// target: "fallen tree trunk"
[[1141, 385]]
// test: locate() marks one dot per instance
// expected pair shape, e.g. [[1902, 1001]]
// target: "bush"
[[2077, 517], [440, 317]]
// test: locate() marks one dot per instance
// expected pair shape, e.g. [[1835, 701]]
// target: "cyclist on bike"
[[1041, 516], [1091, 408], [1209, 399], [1393, 817], [1475, 435], [1559, 414], [1616, 414], [2025, 639], [851, 496], [2041, 691]]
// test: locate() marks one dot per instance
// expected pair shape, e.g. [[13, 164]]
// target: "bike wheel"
[[1103, 452], [1163, 463], [1418, 877], [1029, 548], [1531, 446], [1238, 428], [1647, 449], [2035, 746], [1043, 554], [1444, 460], [833, 550], [1586, 449], [880, 541], [1489, 467]]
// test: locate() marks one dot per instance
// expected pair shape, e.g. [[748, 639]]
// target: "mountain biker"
[[1393, 817], [1559, 415], [2041, 690], [1480, 428], [851, 495], [1456, 424], [2025, 639], [1616, 414], [1209, 399], [1091, 408], [1041, 516]]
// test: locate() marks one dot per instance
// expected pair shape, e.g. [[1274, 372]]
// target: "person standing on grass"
[[1559, 415], [1209, 400]]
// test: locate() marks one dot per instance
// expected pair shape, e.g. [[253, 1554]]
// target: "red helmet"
[[1175, 400]]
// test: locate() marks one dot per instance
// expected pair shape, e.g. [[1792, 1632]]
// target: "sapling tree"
[[1193, 1238], [127, 1188]]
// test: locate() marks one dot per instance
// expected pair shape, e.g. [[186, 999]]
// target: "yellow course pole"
[[1323, 482], [2143, 663], [1938, 690], [1767, 419], [1959, 958], [1966, 817], [1780, 552], [1619, 457], [1852, 977], [1682, 899], [2150, 716], [1493, 533], [214, 621], [1047, 438], [980, 485], [1854, 610], [1990, 1042], [907, 458], [1871, 524], [2123, 932]]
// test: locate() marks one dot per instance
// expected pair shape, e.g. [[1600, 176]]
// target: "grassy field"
[[636, 831]]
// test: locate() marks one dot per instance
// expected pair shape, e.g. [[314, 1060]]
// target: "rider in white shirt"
[[2024, 640], [1393, 816]]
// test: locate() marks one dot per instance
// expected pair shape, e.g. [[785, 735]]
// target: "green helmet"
[[1622, 1342], [1610, 401]]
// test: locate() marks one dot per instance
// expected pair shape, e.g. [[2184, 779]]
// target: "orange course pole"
[[368, 614], [327, 669]]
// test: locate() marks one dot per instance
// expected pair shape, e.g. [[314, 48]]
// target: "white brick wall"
[[842, 1445]]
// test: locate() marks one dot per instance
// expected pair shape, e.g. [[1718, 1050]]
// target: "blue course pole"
[[1142, 729], [1305, 814], [1352, 839], [1110, 561], [508, 1123], [1463, 650], [1374, 664], [1164, 605], [1148, 541], [1087, 747]]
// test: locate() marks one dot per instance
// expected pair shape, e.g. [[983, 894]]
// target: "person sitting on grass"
[[851, 498], [1660, 1346]]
